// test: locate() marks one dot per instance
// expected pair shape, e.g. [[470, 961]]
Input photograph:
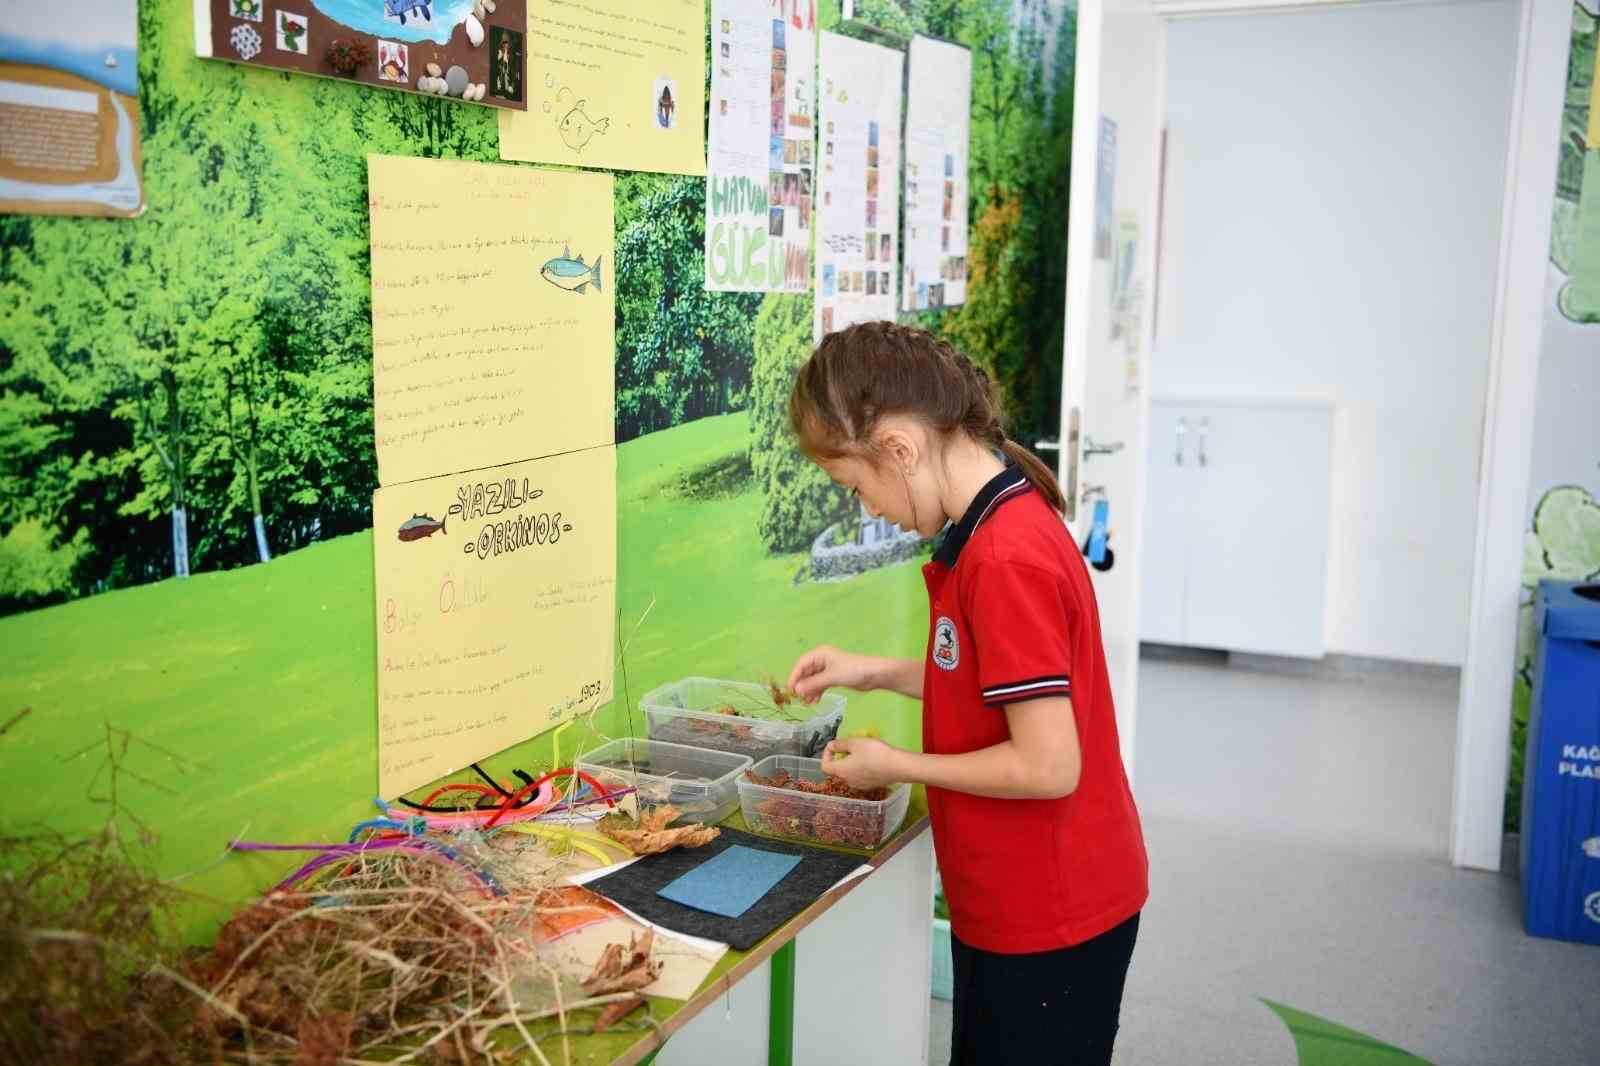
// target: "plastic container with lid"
[[740, 717], [837, 821], [702, 784]]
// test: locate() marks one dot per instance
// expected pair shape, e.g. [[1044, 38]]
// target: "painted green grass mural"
[[261, 680], [186, 462]]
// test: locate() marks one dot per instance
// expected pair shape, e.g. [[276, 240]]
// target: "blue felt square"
[[732, 882]]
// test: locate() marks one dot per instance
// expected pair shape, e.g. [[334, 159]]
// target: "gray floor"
[[1297, 832]]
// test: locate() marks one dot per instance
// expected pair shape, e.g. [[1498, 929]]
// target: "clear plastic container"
[[837, 821], [701, 784], [740, 717]]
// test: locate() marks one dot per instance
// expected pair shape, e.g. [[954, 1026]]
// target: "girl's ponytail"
[[1036, 471], [871, 369]]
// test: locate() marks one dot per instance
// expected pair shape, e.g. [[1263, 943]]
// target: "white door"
[[1120, 77]]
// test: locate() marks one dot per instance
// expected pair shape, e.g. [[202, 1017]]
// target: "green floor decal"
[[1319, 1042]]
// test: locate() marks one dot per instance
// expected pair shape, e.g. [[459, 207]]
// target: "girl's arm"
[[1040, 760], [823, 668]]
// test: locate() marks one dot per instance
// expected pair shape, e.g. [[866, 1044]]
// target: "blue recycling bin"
[[1561, 780]]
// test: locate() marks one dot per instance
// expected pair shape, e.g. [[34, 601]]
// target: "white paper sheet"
[[938, 124], [760, 155], [858, 221]]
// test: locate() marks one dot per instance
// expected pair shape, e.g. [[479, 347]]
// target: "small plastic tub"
[[740, 717], [836, 821], [702, 784]]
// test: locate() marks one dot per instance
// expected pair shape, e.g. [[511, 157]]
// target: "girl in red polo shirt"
[[1038, 839]]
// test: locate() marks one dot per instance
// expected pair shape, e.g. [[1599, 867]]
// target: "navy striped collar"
[[1006, 485]]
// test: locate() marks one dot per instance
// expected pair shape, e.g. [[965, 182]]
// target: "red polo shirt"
[[1013, 617]]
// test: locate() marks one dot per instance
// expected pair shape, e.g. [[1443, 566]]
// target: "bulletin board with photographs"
[[470, 50]]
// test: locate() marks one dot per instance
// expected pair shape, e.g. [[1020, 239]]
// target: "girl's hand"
[[822, 668], [861, 762]]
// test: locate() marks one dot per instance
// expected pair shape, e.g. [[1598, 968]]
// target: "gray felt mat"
[[635, 888]]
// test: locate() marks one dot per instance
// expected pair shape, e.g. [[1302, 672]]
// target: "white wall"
[[1333, 217]]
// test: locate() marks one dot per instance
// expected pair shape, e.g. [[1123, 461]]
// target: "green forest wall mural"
[[186, 462]]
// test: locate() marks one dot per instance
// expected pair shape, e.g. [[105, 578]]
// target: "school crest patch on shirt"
[[946, 645]]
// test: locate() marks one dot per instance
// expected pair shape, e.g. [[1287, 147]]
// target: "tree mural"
[[682, 352], [799, 500], [191, 390]]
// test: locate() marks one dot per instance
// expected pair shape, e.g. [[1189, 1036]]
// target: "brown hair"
[[872, 369]]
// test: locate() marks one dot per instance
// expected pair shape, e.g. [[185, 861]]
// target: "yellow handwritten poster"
[[492, 314], [496, 592], [613, 83]]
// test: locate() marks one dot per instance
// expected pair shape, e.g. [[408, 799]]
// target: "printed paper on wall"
[[69, 108], [615, 84], [938, 106], [761, 168], [1105, 187], [468, 50], [859, 218], [496, 594], [492, 314]]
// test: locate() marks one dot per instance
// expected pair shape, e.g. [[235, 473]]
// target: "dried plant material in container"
[[741, 717], [625, 969], [702, 784], [791, 797], [651, 835], [833, 786]]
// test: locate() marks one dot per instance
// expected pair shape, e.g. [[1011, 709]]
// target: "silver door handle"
[[1177, 455], [1090, 448], [1047, 446], [1205, 427]]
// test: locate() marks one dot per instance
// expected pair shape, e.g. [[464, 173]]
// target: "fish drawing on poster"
[[938, 105], [858, 225], [613, 83], [496, 591], [69, 108], [760, 170], [492, 314]]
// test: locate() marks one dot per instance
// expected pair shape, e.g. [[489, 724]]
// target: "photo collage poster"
[[761, 166], [859, 216], [466, 50], [938, 124]]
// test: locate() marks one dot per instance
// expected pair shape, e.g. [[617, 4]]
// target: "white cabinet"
[[1236, 525]]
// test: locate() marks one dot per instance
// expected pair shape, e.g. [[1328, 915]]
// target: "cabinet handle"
[[1183, 427], [1205, 427]]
